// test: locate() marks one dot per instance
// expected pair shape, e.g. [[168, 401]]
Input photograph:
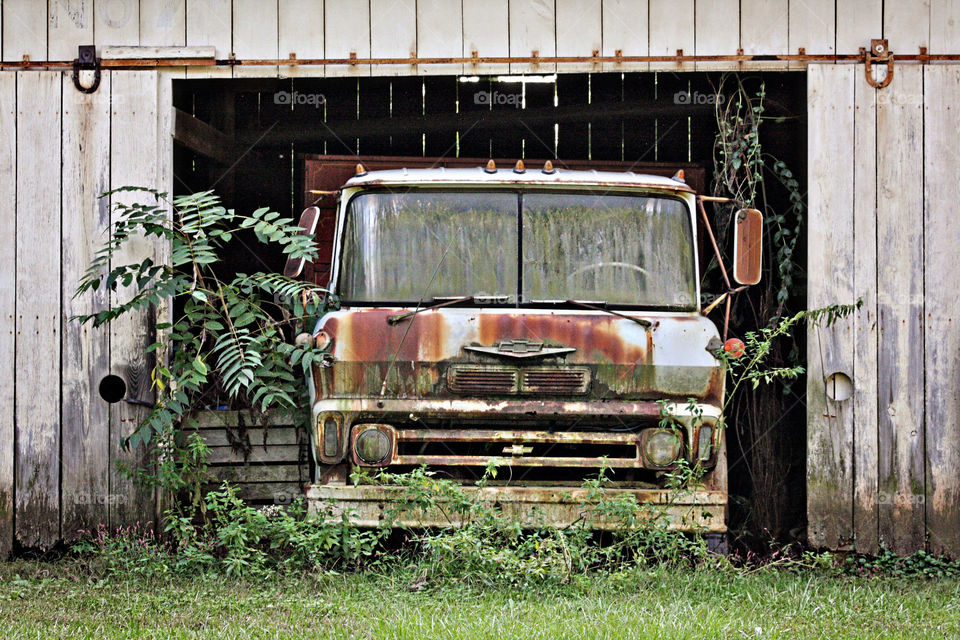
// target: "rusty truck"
[[543, 320]]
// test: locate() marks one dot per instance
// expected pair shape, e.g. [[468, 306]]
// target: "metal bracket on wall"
[[879, 53], [86, 60]]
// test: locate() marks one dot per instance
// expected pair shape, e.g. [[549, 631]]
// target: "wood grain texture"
[[830, 95], [346, 31], [718, 31], [944, 26], [439, 35], [906, 25], [812, 27], [300, 27], [37, 370], [942, 345], [764, 29], [163, 23], [255, 36], [393, 34], [533, 28], [672, 27], [85, 351], [24, 30], [486, 30], [900, 379], [857, 22], [208, 24], [579, 25], [69, 24], [865, 286], [117, 22], [133, 118], [8, 299], [626, 29]]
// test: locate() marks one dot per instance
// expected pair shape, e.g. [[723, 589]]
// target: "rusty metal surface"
[[698, 510]]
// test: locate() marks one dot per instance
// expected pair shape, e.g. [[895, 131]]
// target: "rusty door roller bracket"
[[879, 52], [86, 61]]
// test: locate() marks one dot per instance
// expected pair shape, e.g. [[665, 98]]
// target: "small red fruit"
[[734, 347]]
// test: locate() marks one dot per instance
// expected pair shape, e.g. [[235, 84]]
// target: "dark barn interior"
[[250, 140]]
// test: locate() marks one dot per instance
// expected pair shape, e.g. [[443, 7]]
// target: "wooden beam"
[[197, 135]]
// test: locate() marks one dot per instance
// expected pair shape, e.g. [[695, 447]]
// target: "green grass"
[[52, 600]]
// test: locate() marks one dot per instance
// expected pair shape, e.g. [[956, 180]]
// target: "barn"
[[254, 97]]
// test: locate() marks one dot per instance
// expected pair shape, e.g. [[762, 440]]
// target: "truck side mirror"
[[308, 222], [748, 246]]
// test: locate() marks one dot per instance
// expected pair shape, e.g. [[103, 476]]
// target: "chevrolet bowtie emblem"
[[521, 348]]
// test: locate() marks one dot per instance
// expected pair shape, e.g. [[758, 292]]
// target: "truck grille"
[[512, 380]]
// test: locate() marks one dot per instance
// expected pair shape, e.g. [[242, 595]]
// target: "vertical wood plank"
[[38, 309], [486, 30], [163, 23], [85, 351], [117, 22], [255, 36], [439, 34], [942, 341], [812, 27], [865, 285], [24, 30], [764, 31], [346, 31], [69, 24], [626, 29], [133, 118], [900, 379], [393, 34], [944, 26], [8, 299], [906, 25], [579, 31], [209, 24], [830, 131], [672, 27], [533, 28], [300, 28], [857, 22], [717, 32]]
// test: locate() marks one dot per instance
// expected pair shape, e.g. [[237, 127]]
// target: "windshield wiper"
[[400, 317], [586, 305]]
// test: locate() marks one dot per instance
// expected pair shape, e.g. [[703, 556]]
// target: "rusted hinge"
[[879, 52]]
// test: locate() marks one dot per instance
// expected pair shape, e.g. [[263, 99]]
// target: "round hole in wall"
[[839, 386], [112, 388]]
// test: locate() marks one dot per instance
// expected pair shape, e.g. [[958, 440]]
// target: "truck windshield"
[[614, 248]]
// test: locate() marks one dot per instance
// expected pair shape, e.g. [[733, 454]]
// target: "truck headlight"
[[373, 444], [661, 447]]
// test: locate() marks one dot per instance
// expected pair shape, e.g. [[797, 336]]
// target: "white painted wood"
[[134, 151], [152, 53], [532, 29], [944, 26], [865, 286], [857, 22], [579, 32], [24, 30], [393, 34], [672, 27], [255, 36], [717, 32], [8, 298], [85, 351], [163, 23], [906, 25], [300, 27], [900, 380], [37, 371], [439, 34], [763, 29], [208, 24], [486, 31], [812, 26], [346, 31], [116, 22], [942, 345], [830, 263], [69, 24], [626, 28]]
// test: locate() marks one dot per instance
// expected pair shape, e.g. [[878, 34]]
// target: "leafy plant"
[[231, 334]]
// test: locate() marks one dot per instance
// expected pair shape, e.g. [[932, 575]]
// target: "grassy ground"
[[40, 600]]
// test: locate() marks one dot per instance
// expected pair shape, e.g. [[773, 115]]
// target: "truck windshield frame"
[[517, 247]]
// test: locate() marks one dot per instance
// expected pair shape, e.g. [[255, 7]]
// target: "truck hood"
[[451, 352]]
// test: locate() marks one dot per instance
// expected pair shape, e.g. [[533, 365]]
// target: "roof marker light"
[[548, 167], [519, 168], [678, 176], [360, 170], [491, 166]]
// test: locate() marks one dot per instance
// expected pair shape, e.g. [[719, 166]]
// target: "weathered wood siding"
[[883, 465]]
